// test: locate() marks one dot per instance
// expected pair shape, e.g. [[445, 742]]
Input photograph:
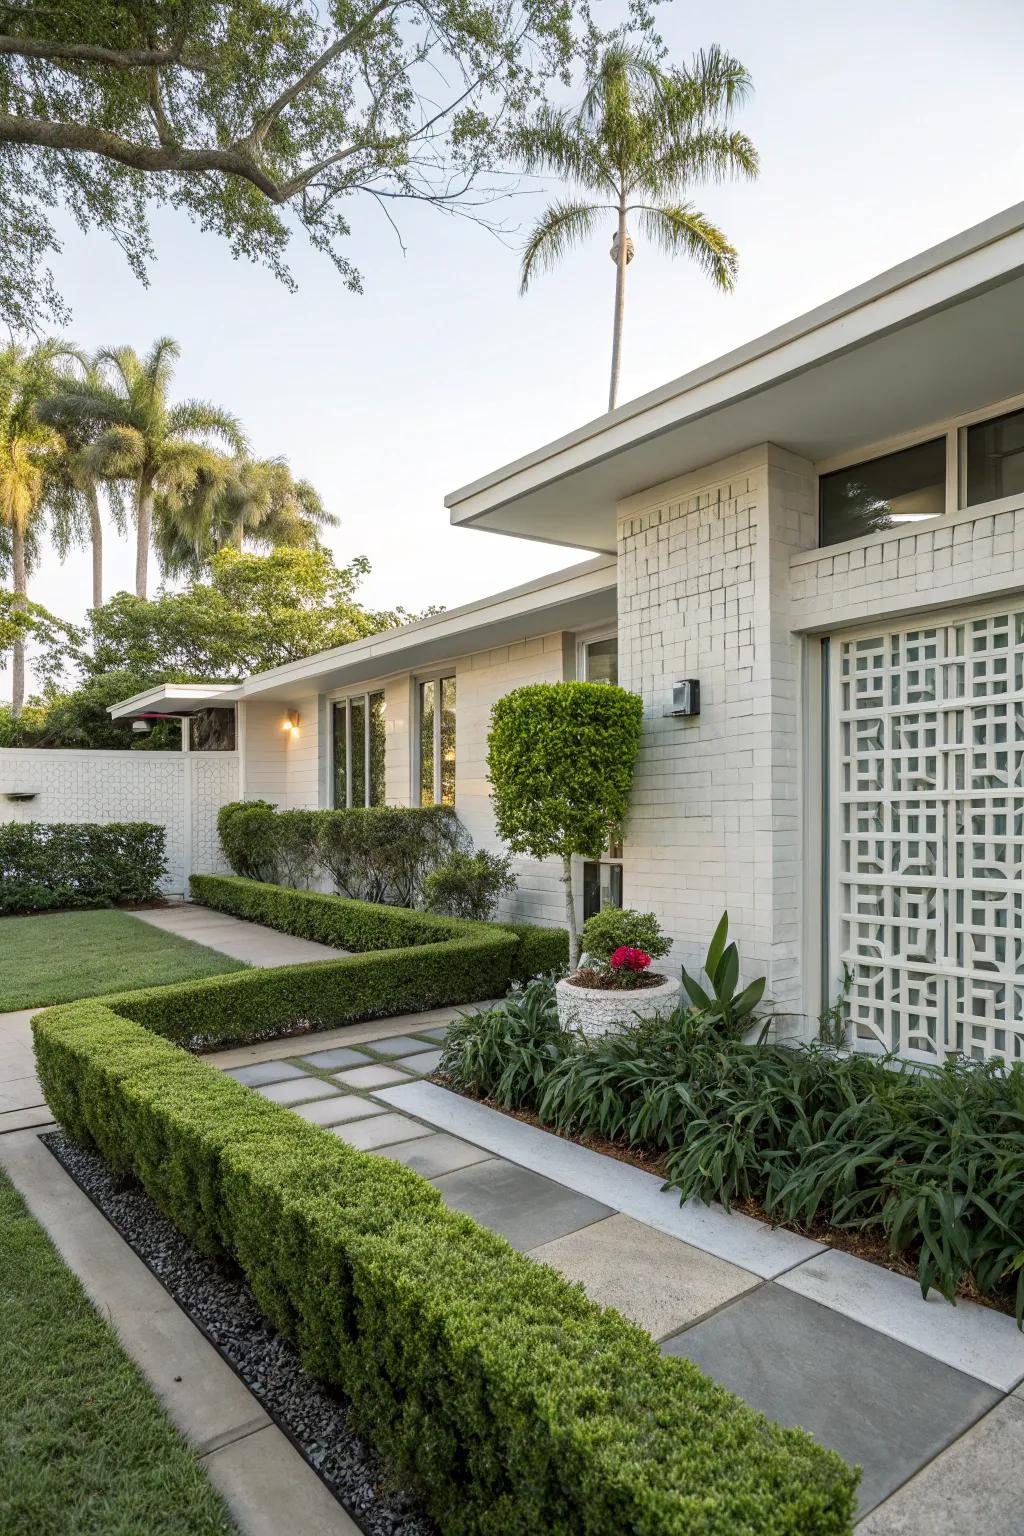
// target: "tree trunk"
[[620, 305], [96, 535], [570, 912], [144, 534], [20, 590]]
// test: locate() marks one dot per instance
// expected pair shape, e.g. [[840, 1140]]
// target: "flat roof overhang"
[[579, 597], [175, 699], [938, 336]]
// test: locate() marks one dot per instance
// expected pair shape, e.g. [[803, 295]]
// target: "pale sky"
[[883, 128]]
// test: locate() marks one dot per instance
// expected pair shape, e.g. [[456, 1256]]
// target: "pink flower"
[[628, 959]]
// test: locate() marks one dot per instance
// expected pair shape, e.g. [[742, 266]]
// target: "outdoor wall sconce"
[[291, 722], [685, 699], [18, 795]]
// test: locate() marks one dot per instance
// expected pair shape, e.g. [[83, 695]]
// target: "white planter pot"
[[598, 1012]]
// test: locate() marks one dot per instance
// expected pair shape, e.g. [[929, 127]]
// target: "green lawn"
[[61, 956], [85, 1449]]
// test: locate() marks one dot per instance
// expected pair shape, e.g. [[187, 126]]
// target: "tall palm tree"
[[142, 437], [226, 502], [76, 502], [28, 454], [641, 137]]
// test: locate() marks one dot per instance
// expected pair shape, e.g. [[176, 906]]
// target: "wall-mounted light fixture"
[[291, 722], [140, 727], [685, 699]]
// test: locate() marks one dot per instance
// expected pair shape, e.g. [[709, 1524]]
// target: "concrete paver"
[[296, 1090], [524, 1207], [875, 1401], [381, 1131], [657, 1281], [341, 1109], [979, 1475], [422, 1062], [263, 1072], [270, 1490], [373, 1076], [436, 1154], [332, 1061]]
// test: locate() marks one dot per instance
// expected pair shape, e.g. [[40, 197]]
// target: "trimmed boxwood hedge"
[[511, 1402], [362, 925]]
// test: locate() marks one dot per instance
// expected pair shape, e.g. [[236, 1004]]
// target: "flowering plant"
[[628, 964]]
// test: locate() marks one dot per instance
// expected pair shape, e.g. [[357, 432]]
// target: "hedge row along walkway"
[[926, 1397]]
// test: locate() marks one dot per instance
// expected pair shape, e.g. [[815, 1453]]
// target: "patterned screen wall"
[[927, 835]]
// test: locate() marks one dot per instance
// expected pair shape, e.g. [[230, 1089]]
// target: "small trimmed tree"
[[560, 759]]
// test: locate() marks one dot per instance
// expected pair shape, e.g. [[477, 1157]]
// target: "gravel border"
[[316, 1420]]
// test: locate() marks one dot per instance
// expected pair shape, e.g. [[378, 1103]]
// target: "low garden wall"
[[507, 1399]]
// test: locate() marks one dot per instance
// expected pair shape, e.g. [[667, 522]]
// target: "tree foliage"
[[560, 757], [252, 116]]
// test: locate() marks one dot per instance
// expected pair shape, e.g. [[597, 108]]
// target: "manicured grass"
[[85, 1449], [62, 956]]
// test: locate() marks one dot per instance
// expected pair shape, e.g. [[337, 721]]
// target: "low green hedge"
[[363, 925], [512, 1403], [46, 866]]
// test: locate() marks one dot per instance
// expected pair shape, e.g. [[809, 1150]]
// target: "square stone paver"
[[298, 1089], [373, 1076], [343, 1107], [437, 1154], [340, 1056], [973, 1486], [656, 1280], [433, 1034], [263, 1072], [524, 1207], [398, 1045], [878, 1403], [425, 1061], [381, 1131]]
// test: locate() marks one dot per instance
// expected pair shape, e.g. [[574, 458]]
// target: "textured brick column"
[[716, 814]]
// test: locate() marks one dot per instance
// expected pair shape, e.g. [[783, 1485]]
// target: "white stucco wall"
[[180, 791]]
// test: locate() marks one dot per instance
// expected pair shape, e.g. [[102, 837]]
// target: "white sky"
[[882, 128]]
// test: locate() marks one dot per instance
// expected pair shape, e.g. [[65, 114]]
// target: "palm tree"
[[76, 503], [143, 438], [641, 137], [226, 502], [28, 452]]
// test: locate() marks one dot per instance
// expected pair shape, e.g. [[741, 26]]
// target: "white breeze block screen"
[[180, 791], [926, 842]]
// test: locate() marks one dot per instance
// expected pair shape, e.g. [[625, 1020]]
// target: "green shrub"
[[46, 866], [560, 760], [512, 1403], [613, 927], [469, 884], [297, 846], [731, 1010], [248, 838], [364, 926], [931, 1159]]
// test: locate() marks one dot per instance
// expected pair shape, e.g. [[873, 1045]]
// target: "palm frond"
[[712, 154], [711, 86], [118, 453], [561, 226], [201, 418], [682, 230]]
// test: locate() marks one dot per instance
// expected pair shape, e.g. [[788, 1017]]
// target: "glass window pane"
[[995, 458], [357, 760], [591, 889], [448, 741], [340, 777], [427, 743], [899, 489], [602, 660], [377, 749]]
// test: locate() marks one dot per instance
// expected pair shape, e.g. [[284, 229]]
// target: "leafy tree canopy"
[[253, 115]]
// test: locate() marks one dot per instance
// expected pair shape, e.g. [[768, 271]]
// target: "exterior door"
[[925, 833]]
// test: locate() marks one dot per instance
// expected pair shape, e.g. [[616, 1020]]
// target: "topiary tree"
[[560, 759]]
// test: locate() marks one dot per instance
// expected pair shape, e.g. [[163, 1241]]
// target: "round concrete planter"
[[598, 1012]]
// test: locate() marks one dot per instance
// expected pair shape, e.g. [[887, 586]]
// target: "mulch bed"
[[316, 1420]]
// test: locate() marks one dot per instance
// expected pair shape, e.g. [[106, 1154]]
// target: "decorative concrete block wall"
[[180, 791], [715, 821]]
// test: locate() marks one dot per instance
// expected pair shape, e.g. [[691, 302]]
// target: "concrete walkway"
[[232, 936], [926, 1397]]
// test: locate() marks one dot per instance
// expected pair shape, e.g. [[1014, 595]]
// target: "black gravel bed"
[[316, 1420]]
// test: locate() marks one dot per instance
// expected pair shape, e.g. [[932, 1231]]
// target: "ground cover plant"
[[928, 1159], [44, 867], [58, 956], [85, 1449], [511, 1402]]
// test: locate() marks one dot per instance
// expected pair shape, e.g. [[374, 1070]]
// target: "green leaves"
[[722, 966]]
